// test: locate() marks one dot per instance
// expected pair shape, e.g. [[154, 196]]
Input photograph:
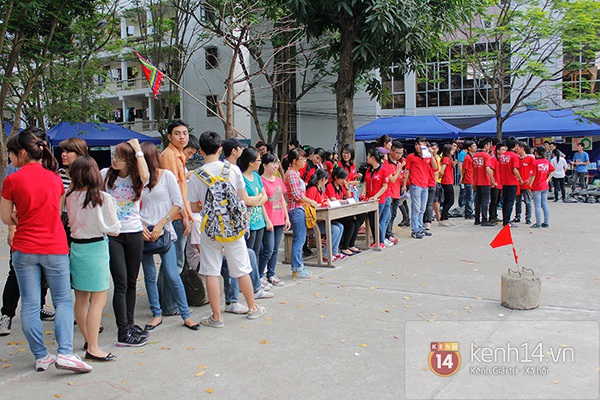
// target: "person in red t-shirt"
[[524, 194], [447, 181], [336, 190], [483, 179], [40, 246], [510, 178], [466, 177], [496, 191], [418, 166], [376, 188], [431, 189], [315, 190], [542, 174], [395, 165]]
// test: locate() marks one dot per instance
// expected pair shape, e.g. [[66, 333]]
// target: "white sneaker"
[[264, 283], [5, 325], [387, 243], [236, 308], [261, 294], [72, 363], [42, 364], [427, 225], [253, 314]]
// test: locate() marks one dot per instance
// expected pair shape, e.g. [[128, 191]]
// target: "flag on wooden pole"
[[504, 238], [154, 76]]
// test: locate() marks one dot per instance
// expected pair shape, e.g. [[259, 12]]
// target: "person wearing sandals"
[[542, 175], [92, 215], [40, 246], [125, 180], [277, 218], [336, 190], [295, 196], [161, 201]]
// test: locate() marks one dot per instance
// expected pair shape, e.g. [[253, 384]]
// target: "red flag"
[[516, 256], [154, 76], [503, 238]]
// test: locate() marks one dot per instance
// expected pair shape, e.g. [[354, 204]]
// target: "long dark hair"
[[376, 154], [31, 141], [556, 153], [85, 175], [447, 151], [250, 154], [266, 160], [295, 154], [347, 147], [125, 151], [316, 177], [151, 156]]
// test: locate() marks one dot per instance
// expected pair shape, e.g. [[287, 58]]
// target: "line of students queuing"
[[110, 214]]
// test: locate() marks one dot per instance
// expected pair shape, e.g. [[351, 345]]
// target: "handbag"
[[311, 216], [194, 287], [161, 245]]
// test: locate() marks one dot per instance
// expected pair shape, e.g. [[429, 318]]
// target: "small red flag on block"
[[154, 76], [503, 237]]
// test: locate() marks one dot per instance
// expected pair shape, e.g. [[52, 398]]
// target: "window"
[[211, 102], [211, 57], [395, 84], [452, 81], [581, 75]]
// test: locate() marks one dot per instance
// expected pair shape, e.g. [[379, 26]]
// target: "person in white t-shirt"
[[558, 179], [125, 180], [211, 254]]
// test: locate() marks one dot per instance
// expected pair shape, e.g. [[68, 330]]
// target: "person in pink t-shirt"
[[276, 218], [542, 174]]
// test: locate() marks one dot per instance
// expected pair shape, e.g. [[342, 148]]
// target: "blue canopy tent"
[[96, 134], [536, 123], [8, 128], [408, 127]]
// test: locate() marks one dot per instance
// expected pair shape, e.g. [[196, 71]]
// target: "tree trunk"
[[344, 87], [499, 122]]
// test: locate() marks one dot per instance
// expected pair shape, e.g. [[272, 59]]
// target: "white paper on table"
[[351, 200], [334, 203]]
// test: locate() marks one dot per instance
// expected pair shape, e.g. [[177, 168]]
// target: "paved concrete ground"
[[342, 334]]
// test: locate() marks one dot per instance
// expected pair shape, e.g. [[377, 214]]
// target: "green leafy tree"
[[375, 34], [32, 33], [531, 45], [169, 40], [269, 53]]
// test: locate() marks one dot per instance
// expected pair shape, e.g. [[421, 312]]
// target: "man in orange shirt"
[[173, 159]]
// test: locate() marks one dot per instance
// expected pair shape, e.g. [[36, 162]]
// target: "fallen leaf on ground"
[[202, 366], [70, 383], [58, 396], [283, 302], [363, 345], [106, 315], [191, 348], [406, 297], [13, 343], [124, 382], [138, 351], [208, 390], [298, 306], [167, 348], [268, 318], [48, 332], [4, 366], [264, 342], [200, 373], [141, 364], [316, 294], [421, 284], [322, 316]]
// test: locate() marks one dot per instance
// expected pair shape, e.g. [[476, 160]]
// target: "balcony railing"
[[140, 125], [131, 84]]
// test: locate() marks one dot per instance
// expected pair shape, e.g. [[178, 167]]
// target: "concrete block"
[[520, 292]]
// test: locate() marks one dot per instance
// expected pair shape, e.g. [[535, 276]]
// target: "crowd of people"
[[77, 227]]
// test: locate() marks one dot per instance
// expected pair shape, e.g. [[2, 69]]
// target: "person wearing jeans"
[[542, 170], [39, 246], [466, 178], [558, 178], [526, 171], [418, 166], [161, 201], [376, 186], [483, 179], [295, 196]]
